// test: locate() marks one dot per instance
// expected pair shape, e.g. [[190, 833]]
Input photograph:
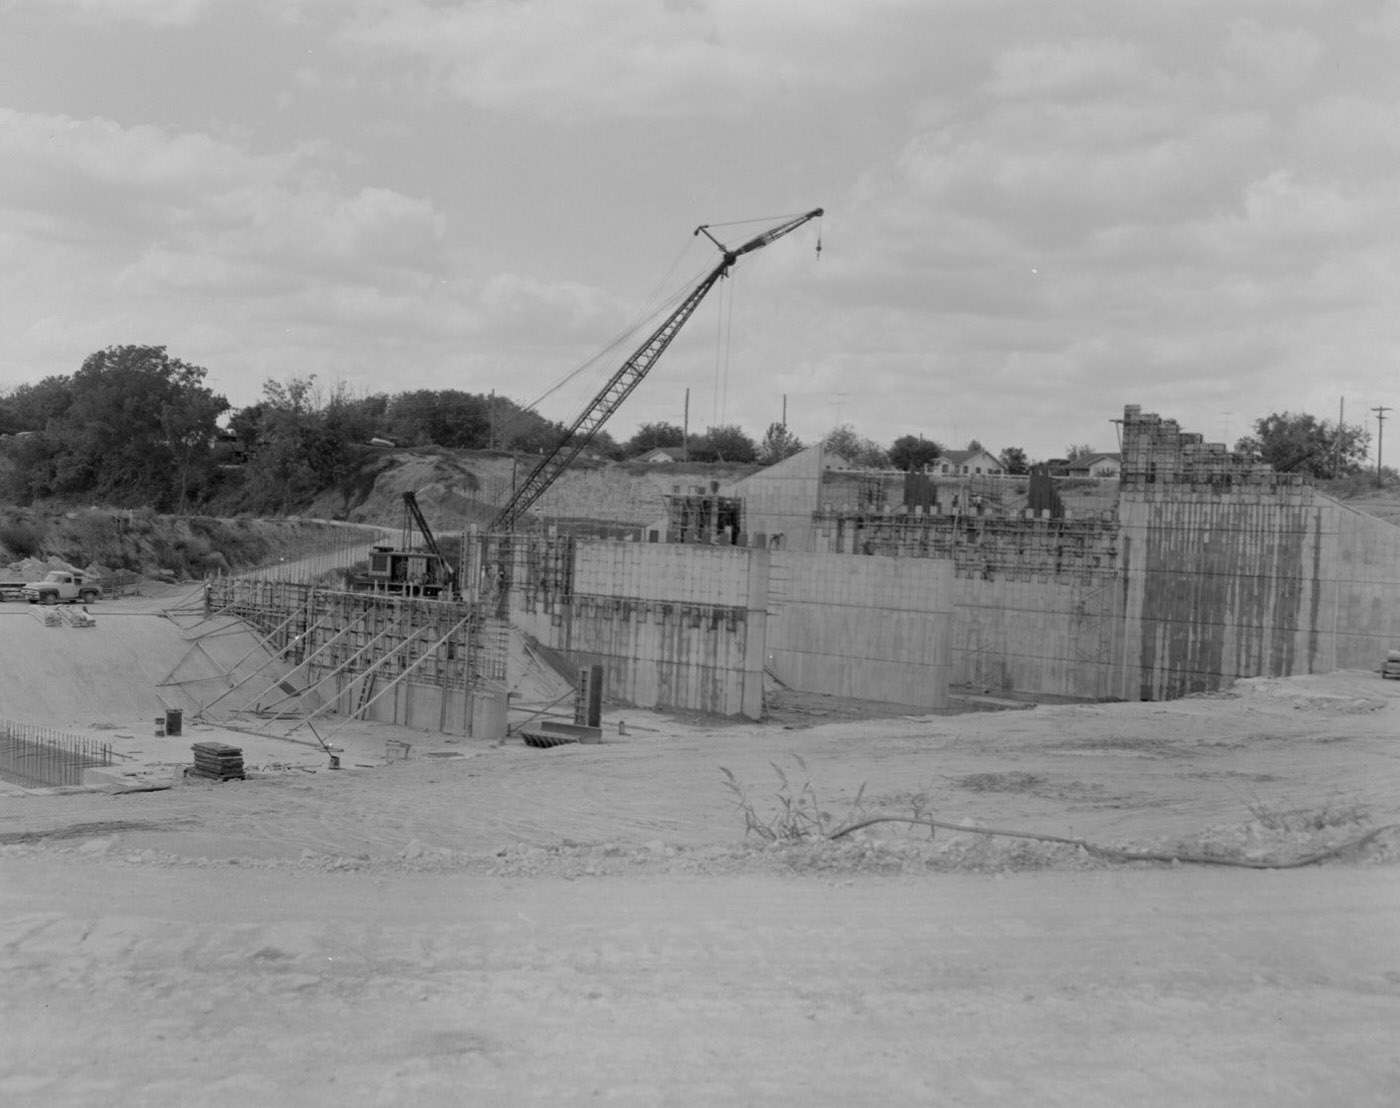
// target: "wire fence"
[[34, 756]]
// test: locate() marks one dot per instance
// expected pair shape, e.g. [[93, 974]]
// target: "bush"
[[21, 538]]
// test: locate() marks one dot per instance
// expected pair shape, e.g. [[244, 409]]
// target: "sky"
[[1034, 213]]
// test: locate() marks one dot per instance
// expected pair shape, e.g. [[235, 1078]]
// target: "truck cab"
[[62, 586]]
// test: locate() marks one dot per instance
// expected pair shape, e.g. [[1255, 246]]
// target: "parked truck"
[[63, 586]]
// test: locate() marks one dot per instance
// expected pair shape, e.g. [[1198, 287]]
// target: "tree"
[[189, 419], [653, 436], [524, 429], [1013, 460], [448, 418], [1295, 442], [30, 407], [1075, 451], [855, 448], [728, 443], [973, 444], [913, 452], [778, 443], [138, 428]]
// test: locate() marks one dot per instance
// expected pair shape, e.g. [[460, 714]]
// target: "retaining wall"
[[874, 629], [691, 627], [1040, 634], [1223, 583], [673, 626], [1365, 566]]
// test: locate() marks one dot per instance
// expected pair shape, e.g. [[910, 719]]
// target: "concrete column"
[[755, 633]]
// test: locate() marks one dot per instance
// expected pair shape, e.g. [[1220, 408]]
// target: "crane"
[[446, 568], [562, 454], [408, 572]]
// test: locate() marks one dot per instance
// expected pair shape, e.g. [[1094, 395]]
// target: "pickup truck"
[[62, 586]]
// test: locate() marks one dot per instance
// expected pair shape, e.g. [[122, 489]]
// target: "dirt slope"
[[459, 488], [495, 924]]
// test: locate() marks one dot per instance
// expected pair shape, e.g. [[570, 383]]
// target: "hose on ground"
[[1113, 854]]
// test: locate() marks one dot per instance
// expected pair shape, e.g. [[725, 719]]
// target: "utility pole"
[[1341, 428], [685, 430], [1380, 439]]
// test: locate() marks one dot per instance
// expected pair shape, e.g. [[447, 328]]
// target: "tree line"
[[135, 426]]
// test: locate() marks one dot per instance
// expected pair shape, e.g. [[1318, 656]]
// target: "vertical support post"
[[755, 633], [588, 703]]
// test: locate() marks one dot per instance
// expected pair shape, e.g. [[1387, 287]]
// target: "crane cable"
[[645, 315]]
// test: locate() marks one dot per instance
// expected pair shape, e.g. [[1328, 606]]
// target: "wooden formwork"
[[362, 654]]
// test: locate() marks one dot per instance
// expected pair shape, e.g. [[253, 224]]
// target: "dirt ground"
[[490, 923]]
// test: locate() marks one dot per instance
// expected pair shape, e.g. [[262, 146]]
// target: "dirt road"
[[239, 987], [501, 925]]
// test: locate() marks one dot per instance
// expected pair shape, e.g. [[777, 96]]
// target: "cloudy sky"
[[1035, 212]]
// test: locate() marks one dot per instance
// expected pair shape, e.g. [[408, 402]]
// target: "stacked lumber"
[[218, 760]]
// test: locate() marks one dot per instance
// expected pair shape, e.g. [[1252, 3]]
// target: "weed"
[[1337, 812], [797, 815]]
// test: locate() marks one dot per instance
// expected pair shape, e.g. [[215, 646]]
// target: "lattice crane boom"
[[628, 376]]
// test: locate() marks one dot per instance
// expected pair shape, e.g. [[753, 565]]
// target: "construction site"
[[1022, 781]]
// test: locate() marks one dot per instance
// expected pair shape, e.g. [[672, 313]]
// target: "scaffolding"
[[317, 650]]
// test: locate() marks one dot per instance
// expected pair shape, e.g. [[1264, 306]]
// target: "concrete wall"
[[1224, 585], [780, 499], [1212, 583], [673, 626], [871, 628], [1038, 634], [1364, 566], [691, 627]]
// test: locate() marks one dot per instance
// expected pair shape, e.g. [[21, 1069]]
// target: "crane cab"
[[402, 573]]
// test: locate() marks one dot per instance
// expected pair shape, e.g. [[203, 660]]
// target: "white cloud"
[[157, 13], [146, 186], [1081, 67], [1036, 212], [560, 59], [1267, 60]]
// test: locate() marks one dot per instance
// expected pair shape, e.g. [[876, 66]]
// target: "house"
[[968, 463], [660, 454], [1102, 466]]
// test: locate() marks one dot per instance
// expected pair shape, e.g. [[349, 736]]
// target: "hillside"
[[167, 548], [458, 488]]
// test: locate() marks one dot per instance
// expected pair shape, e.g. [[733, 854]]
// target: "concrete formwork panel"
[[1039, 635], [870, 628], [673, 626], [1365, 620], [1218, 587]]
